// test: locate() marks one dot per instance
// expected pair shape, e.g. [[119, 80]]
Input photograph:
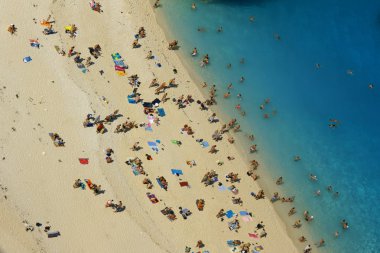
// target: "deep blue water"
[[338, 35]]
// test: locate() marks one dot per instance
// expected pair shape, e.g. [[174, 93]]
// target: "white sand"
[[55, 96]]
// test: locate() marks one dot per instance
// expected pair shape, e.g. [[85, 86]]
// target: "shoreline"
[[265, 182], [71, 87]]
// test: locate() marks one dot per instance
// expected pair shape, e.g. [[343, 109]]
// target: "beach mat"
[[83, 160], [27, 59], [177, 172], [161, 112], [52, 234], [229, 214], [184, 183], [204, 144]]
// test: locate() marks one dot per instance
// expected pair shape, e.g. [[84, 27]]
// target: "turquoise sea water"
[[338, 35]]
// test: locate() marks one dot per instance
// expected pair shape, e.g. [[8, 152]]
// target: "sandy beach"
[[50, 94]]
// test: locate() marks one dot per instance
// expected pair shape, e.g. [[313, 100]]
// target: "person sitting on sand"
[[136, 43], [109, 203], [97, 189], [78, 183], [156, 4], [119, 207], [12, 29], [150, 55], [200, 244]]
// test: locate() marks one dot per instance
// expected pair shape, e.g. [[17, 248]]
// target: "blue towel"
[[229, 214], [148, 128], [161, 112], [27, 59], [119, 63], [205, 144], [179, 172], [159, 183], [152, 144], [243, 213]]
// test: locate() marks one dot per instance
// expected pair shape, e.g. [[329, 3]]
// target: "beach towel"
[[148, 128], [161, 112], [204, 144], [131, 100], [184, 183], [175, 142], [230, 243], [116, 56], [83, 160], [119, 68], [247, 218], [120, 73], [34, 43], [159, 183], [244, 213], [222, 188], [152, 198], [27, 59], [177, 172], [253, 235], [229, 214]]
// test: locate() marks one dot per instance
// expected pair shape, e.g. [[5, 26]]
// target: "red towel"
[[253, 235], [182, 184], [119, 68], [83, 160]]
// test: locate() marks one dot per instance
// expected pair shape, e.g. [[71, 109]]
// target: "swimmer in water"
[[193, 6], [317, 66], [277, 36], [297, 158], [251, 18], [229, 65], [349, 72], [239, 96], [242, 79], [318, 193], [238, 106], [201, 29], [262, 107], [329, 188], [242, 61], [229, 86], [227, 95], [336, 234], [313, 177], [220, 29], [371, 86], [195, 52]]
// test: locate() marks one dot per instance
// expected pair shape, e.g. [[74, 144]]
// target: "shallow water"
[[338, 35]]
